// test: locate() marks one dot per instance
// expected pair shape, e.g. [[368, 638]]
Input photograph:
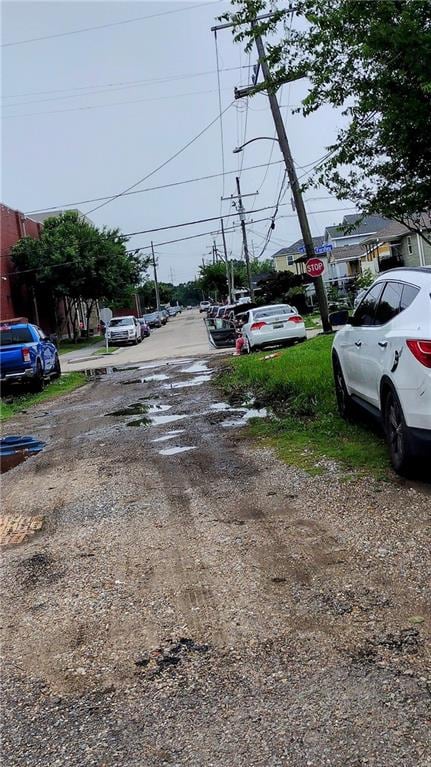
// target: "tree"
[[372, 60], [76, 263]]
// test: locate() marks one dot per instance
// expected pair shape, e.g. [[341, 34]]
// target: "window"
[[289, 260], [409, 246], [272, 312], [408, 295], [365, 313], [10, 336], [389, 305]]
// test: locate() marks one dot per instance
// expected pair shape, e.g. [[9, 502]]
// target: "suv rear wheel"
[[38, 381], [397, 434], [344, 400]]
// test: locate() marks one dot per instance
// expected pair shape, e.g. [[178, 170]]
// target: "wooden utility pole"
[[156, 284], [226, 259], [244, 239], [293, 179]]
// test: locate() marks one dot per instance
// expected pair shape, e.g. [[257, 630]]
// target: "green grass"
[[298, 386], [312, 321], [64, 385], [102, 350], [68, 346]]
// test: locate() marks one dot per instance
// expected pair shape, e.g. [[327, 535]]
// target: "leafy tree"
[[372, 60], [364, 280], [187, 293], [76, 263]]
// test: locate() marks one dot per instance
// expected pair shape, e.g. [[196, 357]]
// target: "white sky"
[[69, 152]]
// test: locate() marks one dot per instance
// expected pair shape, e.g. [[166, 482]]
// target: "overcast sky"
[[86, 115]]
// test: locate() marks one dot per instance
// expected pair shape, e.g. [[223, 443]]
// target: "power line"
[[104, 26], [89, 90], [148, 189], [221, 113], [104, 106], [159, 167]]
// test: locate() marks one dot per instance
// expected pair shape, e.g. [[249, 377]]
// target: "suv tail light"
[[25, 355], [257, 325], [421, 350], [295, 318]]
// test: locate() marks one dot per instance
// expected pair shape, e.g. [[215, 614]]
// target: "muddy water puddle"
[[197, 367], [169, 435], [16, 449], [196, 381], [176, 450]]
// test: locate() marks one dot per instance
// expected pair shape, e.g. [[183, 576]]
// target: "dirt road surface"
[[190, 600], [182, 335]]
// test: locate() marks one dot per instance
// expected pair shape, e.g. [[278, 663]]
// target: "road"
[[185, 598], [182, 336]]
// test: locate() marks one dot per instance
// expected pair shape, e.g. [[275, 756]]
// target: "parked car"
[[382, 361], [27, 354], [164, 316], [145, 328], [278, 324], [204, 305], [153, 320], [123, 330]]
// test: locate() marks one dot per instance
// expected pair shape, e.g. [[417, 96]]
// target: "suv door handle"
[[383, 344], [358, 343]]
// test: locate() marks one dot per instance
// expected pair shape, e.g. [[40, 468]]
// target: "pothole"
[[16, 449]]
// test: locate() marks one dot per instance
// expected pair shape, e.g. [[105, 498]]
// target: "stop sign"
[[314, 267]]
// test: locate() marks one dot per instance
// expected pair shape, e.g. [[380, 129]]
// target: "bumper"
[[278, 335], [21, 375]]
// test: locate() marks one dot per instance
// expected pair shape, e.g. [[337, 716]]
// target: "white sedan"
[[278, 324]]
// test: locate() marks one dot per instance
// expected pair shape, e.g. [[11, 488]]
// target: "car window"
[[41, 333], [408, 295], [272, 311], [389, 304], [10, 336], [365, 313], [120, 321]]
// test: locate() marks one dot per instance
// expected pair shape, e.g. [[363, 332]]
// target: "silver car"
[[278, 324]]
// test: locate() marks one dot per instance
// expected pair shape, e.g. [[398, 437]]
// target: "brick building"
[[14, 300]]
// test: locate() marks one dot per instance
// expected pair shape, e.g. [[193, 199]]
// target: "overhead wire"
[[220, 115], [142, 191], [105, 26], [159, 167]]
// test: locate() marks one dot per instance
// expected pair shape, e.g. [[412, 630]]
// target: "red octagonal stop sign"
[[314, 267]]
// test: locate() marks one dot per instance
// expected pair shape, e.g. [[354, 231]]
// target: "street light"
[[258, 138]]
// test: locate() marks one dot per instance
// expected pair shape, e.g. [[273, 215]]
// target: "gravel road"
[[210, 606]]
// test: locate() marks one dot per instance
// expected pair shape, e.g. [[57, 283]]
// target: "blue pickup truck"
[[27, 355]]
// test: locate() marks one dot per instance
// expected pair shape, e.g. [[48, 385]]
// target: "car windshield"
[[272, 311], [121, 321], [149, 317], [10, 336]]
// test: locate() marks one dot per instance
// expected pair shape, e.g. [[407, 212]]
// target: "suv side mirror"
[[340, 317]]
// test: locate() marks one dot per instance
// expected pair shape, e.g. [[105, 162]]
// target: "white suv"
[[124, 330], [382, 361]]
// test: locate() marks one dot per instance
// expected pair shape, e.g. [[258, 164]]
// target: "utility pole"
[[226, 260], [293, 179], [244, 239], [156, 284]]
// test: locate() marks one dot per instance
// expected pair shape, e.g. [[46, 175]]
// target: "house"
[[15, 300], [287, 259], [396, 245], [353, 230], [41, 217]]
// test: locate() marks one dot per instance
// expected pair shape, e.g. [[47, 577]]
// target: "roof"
[[346, 253], [295, 248], [394, 229], [366, 226], [41, 217]]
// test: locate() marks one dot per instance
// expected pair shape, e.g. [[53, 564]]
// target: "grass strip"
[[13, 404], [298, 386]]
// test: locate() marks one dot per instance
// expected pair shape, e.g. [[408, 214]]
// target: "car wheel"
[[56, 371], [38, 381], [344, 400], [397, 434]]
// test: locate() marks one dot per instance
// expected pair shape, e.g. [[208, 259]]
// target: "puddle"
[[155, 377], [16, 449], [197, 381], [159, 408], [246, 414], [159, 420], [136, 408], [94, 374], [145, 421], [220, 407], [197, 367], [170, 435], [175, 450]]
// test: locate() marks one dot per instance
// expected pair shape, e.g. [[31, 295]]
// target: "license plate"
[[278, 325]]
